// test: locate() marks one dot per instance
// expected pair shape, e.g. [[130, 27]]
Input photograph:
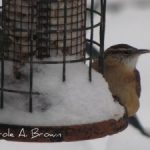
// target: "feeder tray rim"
[[69, 133]]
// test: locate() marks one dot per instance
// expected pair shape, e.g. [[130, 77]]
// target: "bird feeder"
[[48, 93]]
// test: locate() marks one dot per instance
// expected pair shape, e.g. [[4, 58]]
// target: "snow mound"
[[75, 101]]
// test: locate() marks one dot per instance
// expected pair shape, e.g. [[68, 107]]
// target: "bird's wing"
[[138, 83]]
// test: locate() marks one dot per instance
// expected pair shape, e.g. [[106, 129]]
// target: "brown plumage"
[[122, 76]]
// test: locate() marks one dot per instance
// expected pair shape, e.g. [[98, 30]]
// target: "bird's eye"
[[126, 52]]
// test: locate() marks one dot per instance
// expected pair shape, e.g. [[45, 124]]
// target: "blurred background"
[[127, 21]]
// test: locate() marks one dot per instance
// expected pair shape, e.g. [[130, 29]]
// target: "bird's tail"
[[134, 121]]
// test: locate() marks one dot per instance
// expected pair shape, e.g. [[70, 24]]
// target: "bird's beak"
[[143, 51]]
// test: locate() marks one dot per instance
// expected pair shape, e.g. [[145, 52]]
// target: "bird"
[[125, 56], [122, 75]]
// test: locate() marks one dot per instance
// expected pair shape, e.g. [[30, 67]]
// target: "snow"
[[135, 141], [75, 101]]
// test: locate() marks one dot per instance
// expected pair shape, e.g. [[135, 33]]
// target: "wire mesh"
[[48, 32]]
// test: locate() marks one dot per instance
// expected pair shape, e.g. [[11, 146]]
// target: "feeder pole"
[[64, 41], [2, 69], [102, 35]]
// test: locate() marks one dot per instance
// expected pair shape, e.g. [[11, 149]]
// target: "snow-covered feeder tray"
[[64, 111], [48, 93]]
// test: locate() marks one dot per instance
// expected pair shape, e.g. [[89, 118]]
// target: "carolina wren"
[[122, 76]]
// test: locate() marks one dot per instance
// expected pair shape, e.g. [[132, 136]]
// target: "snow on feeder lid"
[[48, 93]]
